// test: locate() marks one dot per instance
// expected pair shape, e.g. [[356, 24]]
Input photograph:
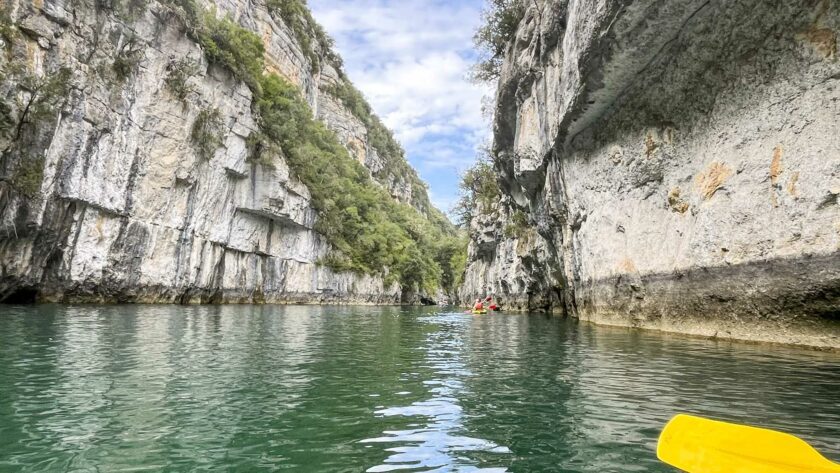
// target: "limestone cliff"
[[104, 192], [678, 165]]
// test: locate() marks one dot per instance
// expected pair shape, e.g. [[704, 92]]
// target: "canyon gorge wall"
[[675, 166], [104, 193]]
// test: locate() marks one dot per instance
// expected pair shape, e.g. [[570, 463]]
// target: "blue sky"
[[411, 59]]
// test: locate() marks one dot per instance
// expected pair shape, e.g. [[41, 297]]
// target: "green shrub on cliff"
[[8, 31], [28, 122], [207, 133], [189, 13], [46, 96], [452, 259], [29, 175], [224, 42], [352, 99], [262, 150], [517, 226], [178, 74], [501, 20], [371, 232], [126, 61], [238, 49], [395, 166], [479, 190]]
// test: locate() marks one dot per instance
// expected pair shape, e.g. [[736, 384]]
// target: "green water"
[[370, 389]]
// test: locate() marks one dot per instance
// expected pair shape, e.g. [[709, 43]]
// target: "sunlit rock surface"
[[125, 210], [679, 164]]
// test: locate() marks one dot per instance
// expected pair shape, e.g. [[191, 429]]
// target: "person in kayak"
[[478, 305], [490, 304]]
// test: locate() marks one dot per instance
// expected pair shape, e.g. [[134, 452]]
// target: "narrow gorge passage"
[[420, 235]]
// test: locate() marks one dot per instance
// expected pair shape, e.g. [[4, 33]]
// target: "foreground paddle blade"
[[699, 445]]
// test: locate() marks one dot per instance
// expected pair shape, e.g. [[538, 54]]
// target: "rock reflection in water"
[[437, 444]]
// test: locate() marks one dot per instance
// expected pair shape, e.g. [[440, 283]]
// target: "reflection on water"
[[249, 388], [435, 443]]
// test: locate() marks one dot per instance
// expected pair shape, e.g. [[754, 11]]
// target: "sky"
[[411, 59]]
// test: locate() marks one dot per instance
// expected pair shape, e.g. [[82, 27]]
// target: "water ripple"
[[437, 445], [375, 389]]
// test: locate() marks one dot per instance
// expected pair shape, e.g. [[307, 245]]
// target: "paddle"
[[698, 445]]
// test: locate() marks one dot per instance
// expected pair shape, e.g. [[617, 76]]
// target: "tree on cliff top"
[[501, 20], [479, 189]]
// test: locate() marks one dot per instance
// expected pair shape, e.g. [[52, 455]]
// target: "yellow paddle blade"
[[699, 445]]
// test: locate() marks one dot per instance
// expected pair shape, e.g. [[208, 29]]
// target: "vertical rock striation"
[[679, 166], [104, 193]]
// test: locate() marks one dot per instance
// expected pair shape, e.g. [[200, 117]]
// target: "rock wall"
[[103, 196], [679, 166]]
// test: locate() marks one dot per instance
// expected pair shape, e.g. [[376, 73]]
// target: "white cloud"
[[411, 59], [445, 203]]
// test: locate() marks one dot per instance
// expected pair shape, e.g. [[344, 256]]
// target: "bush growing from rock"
[[126, 62], [207, 133], [178, 73], [479, 190], [501, 19], [238, 49], [8, 31], [29, 175]]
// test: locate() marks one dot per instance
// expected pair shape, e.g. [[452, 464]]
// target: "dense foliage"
[[452, 259], [501, 20], [237, 48], [395, 166], [371, 232], [479, 190]]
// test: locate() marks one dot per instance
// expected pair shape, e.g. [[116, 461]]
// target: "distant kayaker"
[[478, 305], [490, 304]]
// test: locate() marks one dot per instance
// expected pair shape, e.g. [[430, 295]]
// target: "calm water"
[[370, 389]]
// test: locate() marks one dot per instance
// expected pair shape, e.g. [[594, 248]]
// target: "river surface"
[[325, 389]]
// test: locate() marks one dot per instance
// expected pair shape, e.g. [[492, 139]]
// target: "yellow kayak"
[[479, 312]]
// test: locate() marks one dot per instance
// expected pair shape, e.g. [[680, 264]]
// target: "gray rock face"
[[680, 164], [106, 198]]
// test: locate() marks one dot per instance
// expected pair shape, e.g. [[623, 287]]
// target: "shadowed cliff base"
[[786, 300], [86, 293]]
